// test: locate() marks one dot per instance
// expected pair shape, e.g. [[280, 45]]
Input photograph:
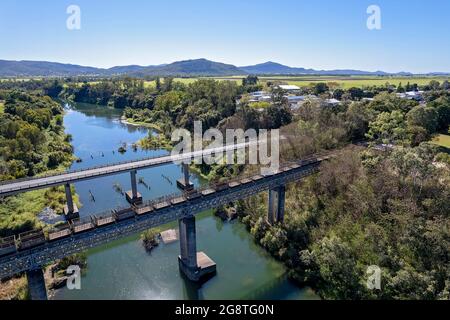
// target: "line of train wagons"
[[35, 238]]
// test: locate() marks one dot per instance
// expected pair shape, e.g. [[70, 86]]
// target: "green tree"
[[442, 107], [250, 81], [338, 93], [158, 84], [320, 88], [388, 127], [356, 93], [425, 117], [434, 85], [387, 102]]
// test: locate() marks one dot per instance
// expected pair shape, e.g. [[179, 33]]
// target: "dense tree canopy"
[[30, 136], [32, 141]]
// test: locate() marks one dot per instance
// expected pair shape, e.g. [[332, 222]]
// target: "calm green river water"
[[123, 269]]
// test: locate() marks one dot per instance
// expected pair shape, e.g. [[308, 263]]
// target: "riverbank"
[[131, 122], [54, 275], [21, 213], [45, 150], [152, 141], [14, 289]]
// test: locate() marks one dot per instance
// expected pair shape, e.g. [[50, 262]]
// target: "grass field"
[[2, 106], [148, 84], [360, 83], [442, 140], [345, 81]]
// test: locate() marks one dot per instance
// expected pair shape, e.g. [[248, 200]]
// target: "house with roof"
[[331, 102], [295, 102], [289, 88], [411, 95]]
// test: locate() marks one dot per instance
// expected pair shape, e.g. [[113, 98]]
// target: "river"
[[123, 269]]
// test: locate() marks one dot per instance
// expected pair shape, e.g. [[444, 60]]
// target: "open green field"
[[2, 106], [360, 83], [442, 140], [182, 80], [345, 81]]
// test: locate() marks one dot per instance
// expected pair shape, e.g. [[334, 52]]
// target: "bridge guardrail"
[[76, 171], [68, 172]]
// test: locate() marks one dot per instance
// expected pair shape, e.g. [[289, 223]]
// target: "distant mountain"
[[125, 69], [273, 68], [44, 69], [198, 67], [187, 68]]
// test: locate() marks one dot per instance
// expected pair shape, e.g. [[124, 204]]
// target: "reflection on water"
[[123, 269], [97, 135]]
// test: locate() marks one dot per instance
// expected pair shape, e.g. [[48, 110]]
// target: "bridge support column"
[[276, 204], [184, 183], [195, 265], [36, 285], [133, 196], [70, 209]]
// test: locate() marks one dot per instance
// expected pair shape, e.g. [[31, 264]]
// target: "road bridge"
[[8, 188], [13, 187]]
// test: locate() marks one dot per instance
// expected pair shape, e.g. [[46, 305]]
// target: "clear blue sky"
[[320, 34]]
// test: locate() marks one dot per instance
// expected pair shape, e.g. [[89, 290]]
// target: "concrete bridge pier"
[[277, 197], [70, 209], [195, 265], [36, 285], [184, 183], [133, 196]]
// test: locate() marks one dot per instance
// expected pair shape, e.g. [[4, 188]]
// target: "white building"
[[411, 95], [288, 87], [295, 102], [295, 99], [331, 102], [258, 96]]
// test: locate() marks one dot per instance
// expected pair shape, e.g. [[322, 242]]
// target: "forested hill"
[[187, 68], [273, 68], [44, 69], [199, 67]]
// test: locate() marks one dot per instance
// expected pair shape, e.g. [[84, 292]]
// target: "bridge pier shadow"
[[193, 288]]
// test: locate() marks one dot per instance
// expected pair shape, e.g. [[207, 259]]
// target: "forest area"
[[387, 206], [32, 142]]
